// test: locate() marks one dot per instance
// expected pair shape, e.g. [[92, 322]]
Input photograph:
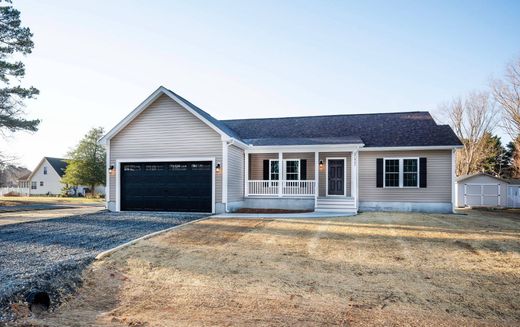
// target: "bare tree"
[[471, 118], [506, 93]]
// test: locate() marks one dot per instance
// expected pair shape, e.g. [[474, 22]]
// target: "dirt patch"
[[383, 269]]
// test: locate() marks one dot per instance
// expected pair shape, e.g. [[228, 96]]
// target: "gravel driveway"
[[50, 255]]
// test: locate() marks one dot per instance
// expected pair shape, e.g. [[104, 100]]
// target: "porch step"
[[347, 205]]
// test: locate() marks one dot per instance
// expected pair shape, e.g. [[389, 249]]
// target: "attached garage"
[[481, 190], [182, 186]]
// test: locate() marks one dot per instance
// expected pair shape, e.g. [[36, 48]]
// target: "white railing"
[[289, 187], [14, 190]]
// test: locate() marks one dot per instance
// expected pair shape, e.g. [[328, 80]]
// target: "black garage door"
[[166, 186]]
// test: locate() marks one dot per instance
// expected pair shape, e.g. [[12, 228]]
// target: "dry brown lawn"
[[387, 269]]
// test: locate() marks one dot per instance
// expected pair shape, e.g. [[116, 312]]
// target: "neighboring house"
[[45, 179], [485, 190], [169, 155]]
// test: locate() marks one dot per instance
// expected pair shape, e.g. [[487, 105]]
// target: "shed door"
[[482, 195], [167, 186], [513, 196]]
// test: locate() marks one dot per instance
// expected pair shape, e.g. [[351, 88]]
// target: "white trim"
[[305, 148], [246, 173], [344, 176], [454, 189], [107, 182], [174, 159], [316, 177], [224, 171], [412, 148], [401, 172], [354, 176], [280, 186]]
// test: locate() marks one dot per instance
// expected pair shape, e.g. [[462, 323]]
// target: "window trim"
[[401, 172], [34, 185], [284, 169]]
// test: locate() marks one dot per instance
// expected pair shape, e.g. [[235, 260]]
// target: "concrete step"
[[349, 211]]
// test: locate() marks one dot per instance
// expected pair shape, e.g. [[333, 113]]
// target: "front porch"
[[323, 180]]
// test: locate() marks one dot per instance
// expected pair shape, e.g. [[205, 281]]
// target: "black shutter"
[[379, 172], [303, 169], [266, 170], [423, 172]]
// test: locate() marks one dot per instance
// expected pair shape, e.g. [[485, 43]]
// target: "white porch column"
[[246, 173], [280, 173], [354, 176], [316, 176]]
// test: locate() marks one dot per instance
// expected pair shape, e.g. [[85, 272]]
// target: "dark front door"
[[336, 180], [167, 186]]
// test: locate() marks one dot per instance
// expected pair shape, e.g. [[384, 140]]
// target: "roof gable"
[[209, 120], [58, 164]]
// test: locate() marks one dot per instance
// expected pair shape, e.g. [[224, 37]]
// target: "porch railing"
[[289, 187]]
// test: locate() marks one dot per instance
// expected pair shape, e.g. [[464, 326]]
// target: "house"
[[45, 179], [170, 155], [485, 190]]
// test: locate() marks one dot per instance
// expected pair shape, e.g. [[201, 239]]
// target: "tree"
[[497, 160], [513, 156], [471, 118], [86, 165], [506, 92], [15, 40]]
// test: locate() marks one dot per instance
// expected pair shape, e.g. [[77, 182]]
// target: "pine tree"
[[15, 40]]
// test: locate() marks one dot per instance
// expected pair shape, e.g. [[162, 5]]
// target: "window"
[[33, 185], [41, 183], [392, 173], [273, 170], [401, 172], [410, 172], [292, 169], [45, 170]]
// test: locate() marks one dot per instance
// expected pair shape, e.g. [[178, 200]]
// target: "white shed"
[[482, 190]]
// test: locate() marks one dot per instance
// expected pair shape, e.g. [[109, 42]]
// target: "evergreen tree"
[[15, 40]]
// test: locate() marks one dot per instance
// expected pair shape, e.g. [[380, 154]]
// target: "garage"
[[166, 186]]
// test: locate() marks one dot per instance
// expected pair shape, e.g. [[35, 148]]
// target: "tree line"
[[476, 118]]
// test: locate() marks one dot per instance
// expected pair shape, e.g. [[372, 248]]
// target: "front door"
[[336, 177]]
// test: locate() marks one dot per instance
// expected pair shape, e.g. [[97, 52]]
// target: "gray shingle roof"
[[58, 164], [374, 130]]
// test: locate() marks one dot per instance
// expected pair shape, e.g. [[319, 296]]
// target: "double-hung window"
[[290, 170], [401, 172], [33, 185]]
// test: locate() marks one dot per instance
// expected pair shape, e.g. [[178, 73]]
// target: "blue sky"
[[95, 61]]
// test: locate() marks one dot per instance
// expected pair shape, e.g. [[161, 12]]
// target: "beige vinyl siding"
[[256, 163], [166, 130], [323, 171], [439, 181], [235, 174]]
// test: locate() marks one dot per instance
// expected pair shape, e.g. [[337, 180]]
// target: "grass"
[[386, 269], [25, 200]]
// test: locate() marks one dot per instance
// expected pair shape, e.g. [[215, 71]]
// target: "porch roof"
[[304, 141]]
